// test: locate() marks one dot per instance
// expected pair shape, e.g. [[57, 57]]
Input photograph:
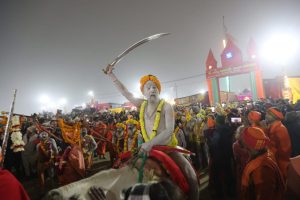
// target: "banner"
[[70, 133], [294, 84]]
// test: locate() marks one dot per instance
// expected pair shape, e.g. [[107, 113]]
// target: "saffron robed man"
[[157, 123]]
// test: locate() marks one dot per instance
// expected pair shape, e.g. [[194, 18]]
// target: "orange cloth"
[[280, 145], [147, 78], [254, 116], [211, 123], [10, 187], [262, 179], [255, 138], [74, 168], [276, 113], [100, 131]]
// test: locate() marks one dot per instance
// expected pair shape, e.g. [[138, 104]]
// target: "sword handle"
[[105, 71]]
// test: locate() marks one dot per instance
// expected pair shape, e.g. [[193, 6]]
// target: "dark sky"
[[58, 47]]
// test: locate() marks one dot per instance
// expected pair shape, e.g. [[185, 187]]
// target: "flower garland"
[[132, 121], [176, 130], [85, 145], [136, 123], [43, 147], [123, 126], [156, 122], [134, 140], [118, 146], [16, 136]]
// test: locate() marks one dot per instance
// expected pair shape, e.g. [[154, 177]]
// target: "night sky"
[[59, 47]]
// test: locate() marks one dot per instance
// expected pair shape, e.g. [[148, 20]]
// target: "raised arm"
[[124, 91]]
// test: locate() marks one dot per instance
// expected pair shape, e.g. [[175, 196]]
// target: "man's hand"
[[146, 147], [108, 69]]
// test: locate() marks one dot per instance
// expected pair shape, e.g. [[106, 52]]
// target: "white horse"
[[112, 181]]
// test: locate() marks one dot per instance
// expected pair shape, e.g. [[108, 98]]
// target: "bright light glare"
[[229, 55], [136, 95], [171, 101], [52, 105], [91, 93], [138, 86], [43, 108], [165, 96], [44, 99], [62, 101], [202, 91], [280, 48]]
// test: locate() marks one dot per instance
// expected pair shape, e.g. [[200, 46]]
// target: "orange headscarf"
[[147, 78], [255, 138], [254, 116], [276, 113]]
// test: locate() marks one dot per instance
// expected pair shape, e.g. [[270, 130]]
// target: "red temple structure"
[[233, 64]]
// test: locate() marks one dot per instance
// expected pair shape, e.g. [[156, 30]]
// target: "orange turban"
[[255, 138], [254, 116], [276, 113], [147, 78]]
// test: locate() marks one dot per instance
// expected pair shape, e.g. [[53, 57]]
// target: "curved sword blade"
[[145, 40]]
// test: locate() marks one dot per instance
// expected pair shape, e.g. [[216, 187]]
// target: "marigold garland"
[[173, 141], [156, 122], [16, 136], [176, 130], [125, 149], [43, 147], [132, 121], [121, 125], [118, 146]]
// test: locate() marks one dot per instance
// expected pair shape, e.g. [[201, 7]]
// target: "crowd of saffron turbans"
[[228, 141]]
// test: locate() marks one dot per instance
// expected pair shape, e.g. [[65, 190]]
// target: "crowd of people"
[[249, 148]]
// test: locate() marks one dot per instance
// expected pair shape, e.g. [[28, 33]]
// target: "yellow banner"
[[294, 84], [71, 134], [116, 110]]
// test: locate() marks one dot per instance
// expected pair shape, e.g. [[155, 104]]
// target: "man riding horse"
[[159, 143], [157, 123]]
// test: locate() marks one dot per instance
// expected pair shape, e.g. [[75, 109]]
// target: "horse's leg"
[[189, 173]]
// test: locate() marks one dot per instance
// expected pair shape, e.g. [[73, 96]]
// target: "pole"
[[228, 87], [7, 128]]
